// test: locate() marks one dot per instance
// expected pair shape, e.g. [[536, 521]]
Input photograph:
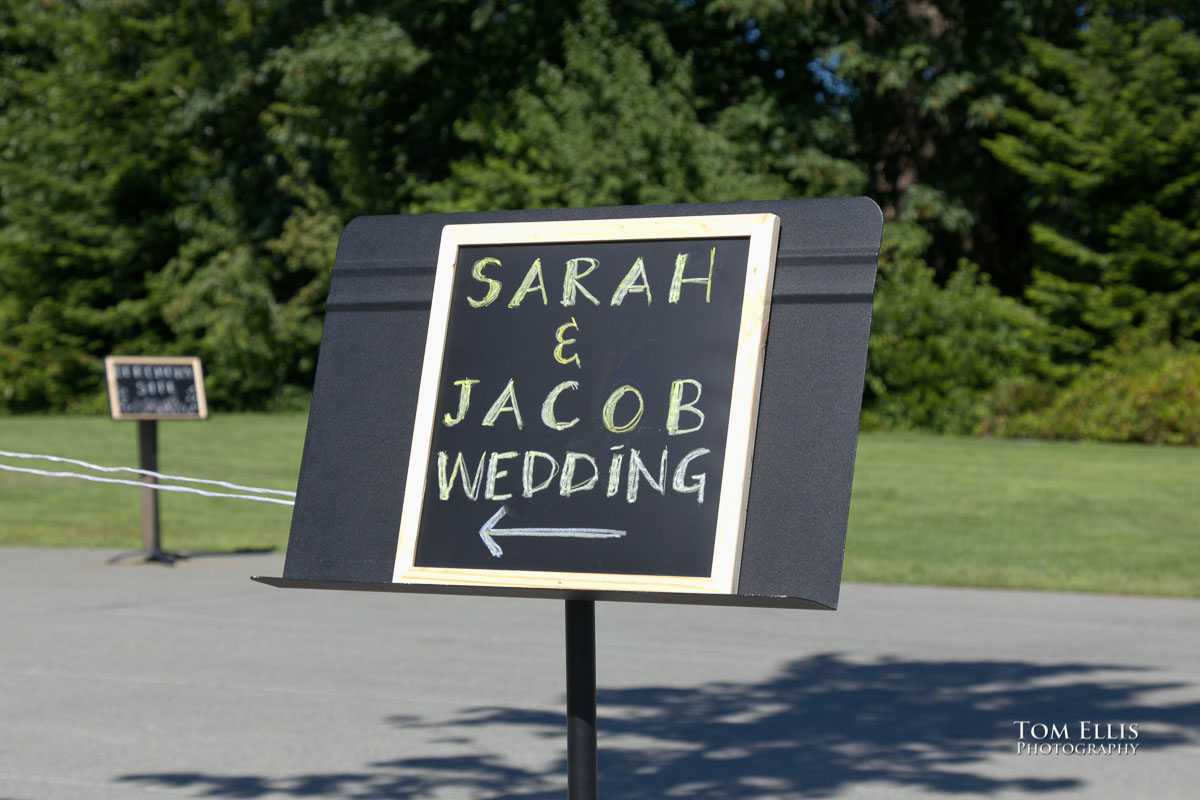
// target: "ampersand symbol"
[[563, 342]]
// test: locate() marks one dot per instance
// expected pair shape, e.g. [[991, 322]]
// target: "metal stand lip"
[[581, 699]]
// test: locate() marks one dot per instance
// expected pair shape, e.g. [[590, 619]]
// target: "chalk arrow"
[[489, 533]]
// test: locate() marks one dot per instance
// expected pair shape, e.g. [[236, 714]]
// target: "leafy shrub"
[[937, 351], [1151, 396]]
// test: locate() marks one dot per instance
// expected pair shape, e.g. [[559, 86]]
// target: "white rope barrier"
[[158, 475], [142, 484]]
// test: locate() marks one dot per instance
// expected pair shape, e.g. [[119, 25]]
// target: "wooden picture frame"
[[762, 232], [116, 363]]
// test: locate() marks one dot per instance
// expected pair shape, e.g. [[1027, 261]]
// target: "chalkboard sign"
[[352, 487], [155, 387], [588, 403]]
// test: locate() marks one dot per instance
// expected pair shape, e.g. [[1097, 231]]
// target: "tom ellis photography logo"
[[1081, 738]]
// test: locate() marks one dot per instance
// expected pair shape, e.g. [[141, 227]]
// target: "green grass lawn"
[[1116, 518], [250, 449], [926, 509]]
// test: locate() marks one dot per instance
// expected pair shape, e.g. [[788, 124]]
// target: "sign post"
[[634, 403], [147, 439], [581, 700], [147, 389]]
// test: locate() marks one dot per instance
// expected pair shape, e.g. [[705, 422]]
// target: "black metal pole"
[[147, 436], [581, 700]]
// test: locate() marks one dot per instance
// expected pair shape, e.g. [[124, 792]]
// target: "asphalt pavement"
[[132, 680]]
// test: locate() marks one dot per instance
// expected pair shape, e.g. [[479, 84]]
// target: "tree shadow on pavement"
[[822, 726]]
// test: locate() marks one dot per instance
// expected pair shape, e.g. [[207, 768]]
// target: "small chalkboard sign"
[[588, 404], [155, 387]]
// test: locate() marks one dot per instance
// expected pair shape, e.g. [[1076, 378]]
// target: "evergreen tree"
[[614, 123], [87, 171], [888, 99], [174, 179], [1106, 138], [173, 176]]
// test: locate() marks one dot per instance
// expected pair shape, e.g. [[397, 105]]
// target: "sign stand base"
[[581, 699]]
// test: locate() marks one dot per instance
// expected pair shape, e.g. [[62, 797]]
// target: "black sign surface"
[[589, 403], [155, 387], [370, 414]]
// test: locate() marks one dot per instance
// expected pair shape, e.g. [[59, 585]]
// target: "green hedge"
[[937, 351], [1151, 396]]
